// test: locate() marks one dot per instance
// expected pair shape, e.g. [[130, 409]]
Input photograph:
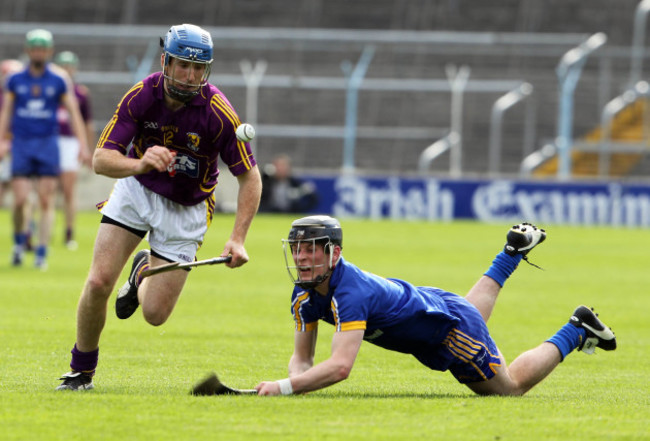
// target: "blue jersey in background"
[[36, 100]]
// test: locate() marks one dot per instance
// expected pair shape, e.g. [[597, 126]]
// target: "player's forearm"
[[76, 121], [4, 122], [4, 148], [248, 201], [320, 376], [79, 130], [90, 135], [113, 164]]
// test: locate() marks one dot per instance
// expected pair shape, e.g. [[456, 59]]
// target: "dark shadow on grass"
[[352, 395], [391, 395], [319, 395]]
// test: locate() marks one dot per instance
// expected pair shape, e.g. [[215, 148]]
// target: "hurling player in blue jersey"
[[31, 99], [163, 146], [442, 330]]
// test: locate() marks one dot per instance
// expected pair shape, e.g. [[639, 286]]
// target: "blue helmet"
[[190, 43]]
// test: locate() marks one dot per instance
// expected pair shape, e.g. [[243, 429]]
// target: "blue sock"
[[502, 266], [41, 251], [20, 239], [568, 338]]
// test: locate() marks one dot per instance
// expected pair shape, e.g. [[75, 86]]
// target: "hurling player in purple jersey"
[[162, 144], [71, 155], [442, 330]]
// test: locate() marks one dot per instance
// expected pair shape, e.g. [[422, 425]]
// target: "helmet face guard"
[[311, 232], [291, 250], [192, 45]]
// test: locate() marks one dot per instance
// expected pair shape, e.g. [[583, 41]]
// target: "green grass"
[[238, 324]]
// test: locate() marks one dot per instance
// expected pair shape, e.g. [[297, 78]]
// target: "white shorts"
[[175, 231], [68, 154]]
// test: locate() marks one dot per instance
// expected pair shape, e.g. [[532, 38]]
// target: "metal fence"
[[250, 69]]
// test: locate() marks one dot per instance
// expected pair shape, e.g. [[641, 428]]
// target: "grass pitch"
[[238, 323]]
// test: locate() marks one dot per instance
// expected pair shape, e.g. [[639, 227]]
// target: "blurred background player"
[[282, 192], [30, 102], [444, 331], [179, 126], [71, 155], [7, 67]]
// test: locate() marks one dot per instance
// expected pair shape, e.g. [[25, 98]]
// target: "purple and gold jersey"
[[200, 132], [63, 116], [393, 313], [35, 102]]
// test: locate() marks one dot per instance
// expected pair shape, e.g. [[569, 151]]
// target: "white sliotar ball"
[[245, 132]]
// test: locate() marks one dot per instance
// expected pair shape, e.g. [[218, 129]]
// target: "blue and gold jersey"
[[393, 313]]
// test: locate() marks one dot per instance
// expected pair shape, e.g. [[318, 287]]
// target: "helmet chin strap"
[[176, 93], [309, 284]]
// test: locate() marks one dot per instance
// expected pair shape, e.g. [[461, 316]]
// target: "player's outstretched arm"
[[345, 347], [78, 128], [248, 201]]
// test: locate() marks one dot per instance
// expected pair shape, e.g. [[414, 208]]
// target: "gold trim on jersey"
[[217, 102], [297, 317], [111, 124], [210, 203], [354, 326], [107, 131]]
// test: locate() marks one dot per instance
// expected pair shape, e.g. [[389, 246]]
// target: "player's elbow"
[[342, 371], [98, 163]]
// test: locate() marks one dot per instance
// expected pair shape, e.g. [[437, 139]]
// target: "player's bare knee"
[[98, 284], [155, 316], [154, 319], [514, 390], [500, 392], [501, 385]]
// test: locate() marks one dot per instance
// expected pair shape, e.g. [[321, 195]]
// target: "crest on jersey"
[[193, 141]]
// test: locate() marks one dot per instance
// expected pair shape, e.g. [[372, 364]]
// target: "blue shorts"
[[35, 156], [468, 351]]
